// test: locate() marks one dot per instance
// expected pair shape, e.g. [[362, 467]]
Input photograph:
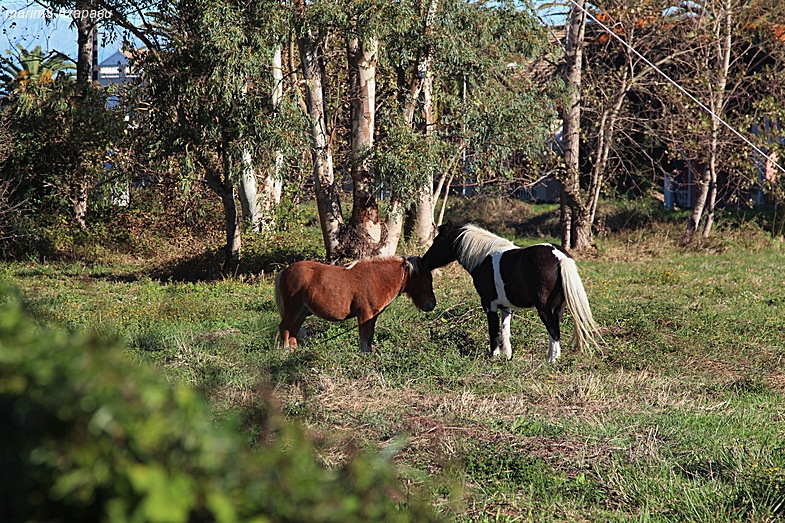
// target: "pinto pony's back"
[[507, 277]]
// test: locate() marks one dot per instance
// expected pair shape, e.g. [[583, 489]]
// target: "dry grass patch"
[[436, 423]]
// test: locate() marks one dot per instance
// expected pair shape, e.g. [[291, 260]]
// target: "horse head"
[[442, 250], [419, 284]]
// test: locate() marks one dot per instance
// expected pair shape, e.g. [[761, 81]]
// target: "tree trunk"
[[247, 193], [84, 43], [249, 201], [259, 208], [444, 200], [218, 179], [272, 186], [232, 227], [366, 233], [711, 201], [718, 106], [327, 197], [419, 220], [707, 197], [424, 228], [272, 189], [394, 226], [576, 223], [84, 64], [605, 132], [565, 219], [79, 198], [293, 78], [700, 203]]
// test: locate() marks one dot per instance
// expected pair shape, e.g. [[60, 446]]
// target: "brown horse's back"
[[362, 290], [337, 293]]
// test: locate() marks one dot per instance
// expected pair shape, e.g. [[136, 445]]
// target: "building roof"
[[115, 69], [115, 58]]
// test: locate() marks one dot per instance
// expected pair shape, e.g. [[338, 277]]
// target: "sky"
[[25, 23]]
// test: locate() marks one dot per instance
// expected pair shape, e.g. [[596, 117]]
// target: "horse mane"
[[474, 244], [407, 263], [412, 265]]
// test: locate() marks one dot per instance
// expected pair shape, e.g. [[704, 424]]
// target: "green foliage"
[[366, 19], [407, 160], [219, 103], [484, 103], [23, 65], [89, 435], [63, 137], [217, 110]]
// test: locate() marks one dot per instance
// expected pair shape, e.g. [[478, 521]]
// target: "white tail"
[[575, 294]]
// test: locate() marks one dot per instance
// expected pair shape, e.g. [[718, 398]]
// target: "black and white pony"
[[508, 277]]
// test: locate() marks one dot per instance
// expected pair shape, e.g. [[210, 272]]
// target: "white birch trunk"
[[249, 203], [718, 106], [272, 187], [420, 218], [576, 226], [369, 232], [259, 208], [327, 197]]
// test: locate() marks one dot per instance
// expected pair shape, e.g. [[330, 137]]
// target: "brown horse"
[[359, 290]]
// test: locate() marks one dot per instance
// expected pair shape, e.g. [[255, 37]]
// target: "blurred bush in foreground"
[[88, 435]]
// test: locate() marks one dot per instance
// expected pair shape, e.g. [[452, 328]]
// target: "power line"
[[676, 84]]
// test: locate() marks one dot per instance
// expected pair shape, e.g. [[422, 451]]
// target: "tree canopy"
[[452, 90]]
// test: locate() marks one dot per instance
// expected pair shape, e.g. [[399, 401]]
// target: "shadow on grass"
[[260, 256], [509, 216], [202, 267], [112, 277], [293, 367], [505, 216]]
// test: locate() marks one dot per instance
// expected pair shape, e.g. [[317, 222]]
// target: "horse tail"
[[278, 297], [585, 327]]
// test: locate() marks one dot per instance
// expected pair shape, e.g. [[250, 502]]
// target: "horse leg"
[[291, 327], [493, 331], [551, 320], [284, 331], [506, 346], [298, 329], [366, 334]]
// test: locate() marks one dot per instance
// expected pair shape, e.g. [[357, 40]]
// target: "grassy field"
[[679, 417]]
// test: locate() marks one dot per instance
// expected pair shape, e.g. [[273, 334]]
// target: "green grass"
[[678, 417]]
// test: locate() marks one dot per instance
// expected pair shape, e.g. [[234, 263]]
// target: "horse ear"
[[446, 227]]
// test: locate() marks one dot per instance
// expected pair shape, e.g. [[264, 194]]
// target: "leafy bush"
[[89, 435]]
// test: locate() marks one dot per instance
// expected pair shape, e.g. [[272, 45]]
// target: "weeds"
[[680, 418]]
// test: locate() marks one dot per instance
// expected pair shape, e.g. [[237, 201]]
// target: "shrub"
[[89, 435]]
